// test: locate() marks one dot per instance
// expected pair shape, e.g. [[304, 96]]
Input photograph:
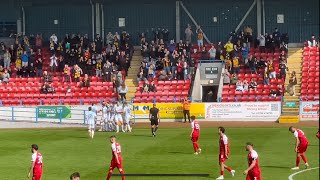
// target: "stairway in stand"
[[290, 107], [131, 79]]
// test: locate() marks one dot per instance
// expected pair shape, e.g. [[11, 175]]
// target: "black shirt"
[[154, 113]]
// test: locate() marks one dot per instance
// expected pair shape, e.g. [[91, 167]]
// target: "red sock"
[[109, 175], [195, 147], [229, 169], [221, 173], [298, 161], [122, 177], [304, 158]]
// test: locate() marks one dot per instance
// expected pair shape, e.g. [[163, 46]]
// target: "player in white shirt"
[[111, 113], [110, 116], [91, 116], [127, 116], [104, 117], [118, 116], [94, 108]]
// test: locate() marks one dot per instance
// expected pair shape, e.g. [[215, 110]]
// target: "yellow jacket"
[[228, 47]]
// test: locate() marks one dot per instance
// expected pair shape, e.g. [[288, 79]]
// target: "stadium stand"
[[272, 90], [262, 92], [24, 87], [310, 74]]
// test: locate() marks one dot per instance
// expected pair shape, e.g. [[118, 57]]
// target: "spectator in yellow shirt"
[[235, 65], [228, 47], [200, 37]]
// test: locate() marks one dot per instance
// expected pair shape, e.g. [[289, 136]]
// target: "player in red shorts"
[[300, 147], [116, 161], [224, 153], [36, 163], [195, 133], [253, 171]]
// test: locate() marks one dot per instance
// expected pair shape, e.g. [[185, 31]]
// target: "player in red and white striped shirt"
[[300, 147], [224, 145], [195, 134], [116, 161], [36, 163], [253, 172]]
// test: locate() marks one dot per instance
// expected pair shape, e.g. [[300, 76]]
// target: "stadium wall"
[[228, 12], [8, 11], [140, 16], [71, 19], [301, 18]]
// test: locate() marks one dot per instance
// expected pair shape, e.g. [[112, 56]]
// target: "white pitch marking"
[[291, 176]]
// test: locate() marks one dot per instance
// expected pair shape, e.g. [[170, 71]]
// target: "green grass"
[[68, 150]]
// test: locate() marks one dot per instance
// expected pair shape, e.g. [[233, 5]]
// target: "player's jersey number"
[[118, 149], [39, 159]]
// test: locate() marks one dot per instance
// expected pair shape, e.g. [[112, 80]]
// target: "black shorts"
[[154, 122]]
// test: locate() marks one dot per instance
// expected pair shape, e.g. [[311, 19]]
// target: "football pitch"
[[65, 151]]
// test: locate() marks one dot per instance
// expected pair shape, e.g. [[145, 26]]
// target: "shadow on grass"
[[176, 152], [277, 167], [142, 135], [313, 145], [82, 137]]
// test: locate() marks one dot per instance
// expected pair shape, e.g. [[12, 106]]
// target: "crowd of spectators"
[[75, 58], [312, 42], [164, 59], [235, 53]]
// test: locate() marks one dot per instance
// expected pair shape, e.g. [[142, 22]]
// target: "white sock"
[[128, 127], [122, 127], [117, 127], [110, 126], [92, 133]]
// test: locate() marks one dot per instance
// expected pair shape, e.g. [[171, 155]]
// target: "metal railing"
[[32, 114]]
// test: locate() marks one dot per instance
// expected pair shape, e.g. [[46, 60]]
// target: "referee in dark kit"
[[154, 119]]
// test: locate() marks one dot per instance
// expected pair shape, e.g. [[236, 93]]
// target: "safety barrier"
[[226, 111], [57, 114]]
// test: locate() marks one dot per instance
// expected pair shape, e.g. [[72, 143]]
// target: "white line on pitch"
[[291, 176]]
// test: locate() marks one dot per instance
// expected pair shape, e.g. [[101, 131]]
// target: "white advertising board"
[[309, 110], [243, 111]]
